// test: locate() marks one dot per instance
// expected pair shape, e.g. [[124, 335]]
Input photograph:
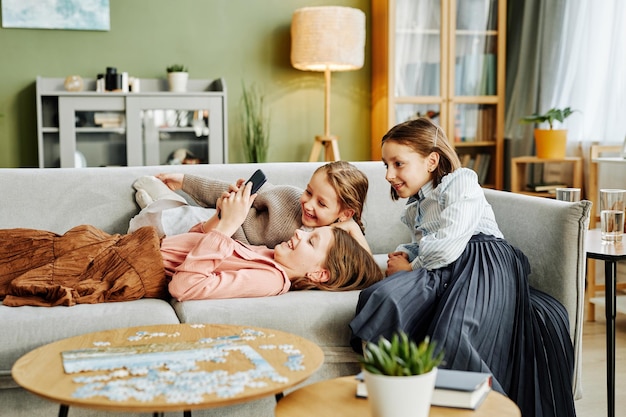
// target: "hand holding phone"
[[257, 179]]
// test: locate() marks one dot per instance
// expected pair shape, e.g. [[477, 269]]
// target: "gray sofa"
[[551, 233]]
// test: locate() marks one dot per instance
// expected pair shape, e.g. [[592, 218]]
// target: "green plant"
[[550, 116], [177, 68], [400, 356], [255, 124]]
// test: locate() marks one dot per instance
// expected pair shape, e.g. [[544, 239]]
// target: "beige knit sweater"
[[273, 218]]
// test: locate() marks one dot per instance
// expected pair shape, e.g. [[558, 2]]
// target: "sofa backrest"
[[58, 199]]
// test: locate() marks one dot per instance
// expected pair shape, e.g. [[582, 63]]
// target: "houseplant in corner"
[[177, 77], [400, 375], [255, 124], [550, 143]]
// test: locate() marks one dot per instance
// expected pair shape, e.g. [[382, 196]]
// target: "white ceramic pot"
[[178, 81], [394, 396]]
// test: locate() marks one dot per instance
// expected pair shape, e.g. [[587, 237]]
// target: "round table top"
[[176, 367], [337, 397]]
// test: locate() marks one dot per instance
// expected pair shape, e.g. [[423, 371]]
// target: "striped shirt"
[[443, 219]]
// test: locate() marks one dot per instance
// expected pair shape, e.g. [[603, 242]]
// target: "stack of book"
[[109, 119], [453, 388], [546, 187]]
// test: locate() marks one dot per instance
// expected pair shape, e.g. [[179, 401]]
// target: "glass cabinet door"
[[175, 136], [475, 47], [92, 133], [174, 130], [474, 53], [417, 56]]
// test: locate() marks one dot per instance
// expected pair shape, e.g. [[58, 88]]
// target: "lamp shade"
[[327, 37]]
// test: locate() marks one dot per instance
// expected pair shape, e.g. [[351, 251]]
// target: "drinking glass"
[[568, 194], [612, 214]]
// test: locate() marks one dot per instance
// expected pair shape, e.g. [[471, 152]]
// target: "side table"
[[520, 164], [176, 367], [610, 253], [599, 154], [337, 397]]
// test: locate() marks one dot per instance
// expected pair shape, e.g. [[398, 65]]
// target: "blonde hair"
[[423, 136], [350, 266], [350, 184]]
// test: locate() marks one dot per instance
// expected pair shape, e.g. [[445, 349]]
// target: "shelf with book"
[[520, 183], [89, 128], [479, 162]]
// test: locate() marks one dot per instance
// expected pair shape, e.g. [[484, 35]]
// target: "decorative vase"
[[73, 83], [406, 396], [551, 143], [178, 81]]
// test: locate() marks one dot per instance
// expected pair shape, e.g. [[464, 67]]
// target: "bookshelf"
[[444, 59]]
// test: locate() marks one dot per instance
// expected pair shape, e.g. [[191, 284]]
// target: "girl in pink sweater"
[[208, 263]]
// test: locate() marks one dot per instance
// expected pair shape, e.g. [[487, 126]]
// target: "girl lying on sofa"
[[335, 194], [86, 265]]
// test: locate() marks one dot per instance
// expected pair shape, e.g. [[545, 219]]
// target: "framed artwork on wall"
[[56, 14]]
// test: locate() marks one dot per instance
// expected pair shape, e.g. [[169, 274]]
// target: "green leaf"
[[177, 68], [401, 356], [255, 124], [550, 116]]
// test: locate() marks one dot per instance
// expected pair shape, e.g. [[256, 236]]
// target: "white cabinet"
[[87, 128]]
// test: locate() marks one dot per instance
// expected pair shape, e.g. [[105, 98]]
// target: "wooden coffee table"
[[178, 367], [337, 397]]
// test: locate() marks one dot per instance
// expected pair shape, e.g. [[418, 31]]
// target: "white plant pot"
[[178, 81], [406, 396]]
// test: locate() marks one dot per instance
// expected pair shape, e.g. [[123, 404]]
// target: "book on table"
[[460, 389], [453, 388]]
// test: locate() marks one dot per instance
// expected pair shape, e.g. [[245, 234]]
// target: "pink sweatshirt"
[[213, 265]]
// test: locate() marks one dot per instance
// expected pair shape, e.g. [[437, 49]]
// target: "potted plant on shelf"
[[400, 375], [550, 143], [255, 125], [177, 77]]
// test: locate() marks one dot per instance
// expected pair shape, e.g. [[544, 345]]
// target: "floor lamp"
[[325, 39]]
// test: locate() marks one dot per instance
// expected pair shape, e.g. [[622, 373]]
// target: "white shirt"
[[443, 220]]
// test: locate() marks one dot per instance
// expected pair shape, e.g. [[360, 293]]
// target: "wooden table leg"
[[590, 289]]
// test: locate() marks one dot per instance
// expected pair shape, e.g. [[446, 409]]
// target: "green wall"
[[239, 40]]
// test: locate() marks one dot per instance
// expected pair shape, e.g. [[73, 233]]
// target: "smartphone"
[[257, 179]]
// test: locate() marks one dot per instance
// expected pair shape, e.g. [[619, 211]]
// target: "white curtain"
[[567, 53]]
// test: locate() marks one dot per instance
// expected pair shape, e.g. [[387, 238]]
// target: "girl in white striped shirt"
[[461, 283]]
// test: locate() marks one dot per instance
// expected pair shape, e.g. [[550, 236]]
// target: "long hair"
[[351, 266], [350, 184], [424, 137]]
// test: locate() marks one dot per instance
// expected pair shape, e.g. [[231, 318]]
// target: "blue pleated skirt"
[[482, 312]]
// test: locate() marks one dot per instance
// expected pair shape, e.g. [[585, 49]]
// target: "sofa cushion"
[[26, 328], [319, 316]]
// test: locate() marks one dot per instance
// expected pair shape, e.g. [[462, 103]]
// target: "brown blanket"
[[83, 266]]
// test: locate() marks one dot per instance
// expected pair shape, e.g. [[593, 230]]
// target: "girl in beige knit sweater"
[[334, 195]]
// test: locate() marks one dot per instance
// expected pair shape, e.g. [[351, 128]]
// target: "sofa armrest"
[[552, 235]]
